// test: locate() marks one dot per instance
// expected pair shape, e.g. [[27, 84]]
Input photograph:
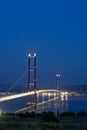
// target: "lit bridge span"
[[51, 94], [39, 95], [10, 97]]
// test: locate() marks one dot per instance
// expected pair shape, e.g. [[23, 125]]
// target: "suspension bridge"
[[32, 81]]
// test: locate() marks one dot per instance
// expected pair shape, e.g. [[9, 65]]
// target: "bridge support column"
[[37, 98], [43, 97], [55, 95], [48, 96]]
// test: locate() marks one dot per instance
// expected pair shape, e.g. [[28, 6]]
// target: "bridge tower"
[[58, 81], [34, 78]]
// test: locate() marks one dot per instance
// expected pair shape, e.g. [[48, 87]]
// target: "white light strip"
[[25, 94]]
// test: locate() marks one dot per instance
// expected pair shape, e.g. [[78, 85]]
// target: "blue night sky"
[[55, 29]]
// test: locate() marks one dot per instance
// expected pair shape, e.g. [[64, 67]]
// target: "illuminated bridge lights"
[[10, 97]]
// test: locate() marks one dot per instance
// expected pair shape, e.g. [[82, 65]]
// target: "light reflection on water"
[[74, 104]]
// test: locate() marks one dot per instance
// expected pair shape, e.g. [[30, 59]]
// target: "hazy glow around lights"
[[29, 55], [35, 54], [58, 75]]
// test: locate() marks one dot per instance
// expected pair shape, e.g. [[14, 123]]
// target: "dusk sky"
[[54, 29]]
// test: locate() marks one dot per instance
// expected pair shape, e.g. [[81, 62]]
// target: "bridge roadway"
[[10, 97]]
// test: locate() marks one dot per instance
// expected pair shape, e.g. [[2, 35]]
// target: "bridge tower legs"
[[58, 81], [29, 78], [35, 96], [29, 59]]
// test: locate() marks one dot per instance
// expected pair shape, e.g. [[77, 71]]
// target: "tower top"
[[32, 56], [58, 75]]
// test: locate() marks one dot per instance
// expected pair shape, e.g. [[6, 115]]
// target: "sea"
[[67, 104]]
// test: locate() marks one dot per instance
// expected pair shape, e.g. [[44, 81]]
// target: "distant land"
[[76, 88]]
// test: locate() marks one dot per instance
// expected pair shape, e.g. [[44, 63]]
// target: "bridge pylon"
[[34, 78], [58, 81]]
